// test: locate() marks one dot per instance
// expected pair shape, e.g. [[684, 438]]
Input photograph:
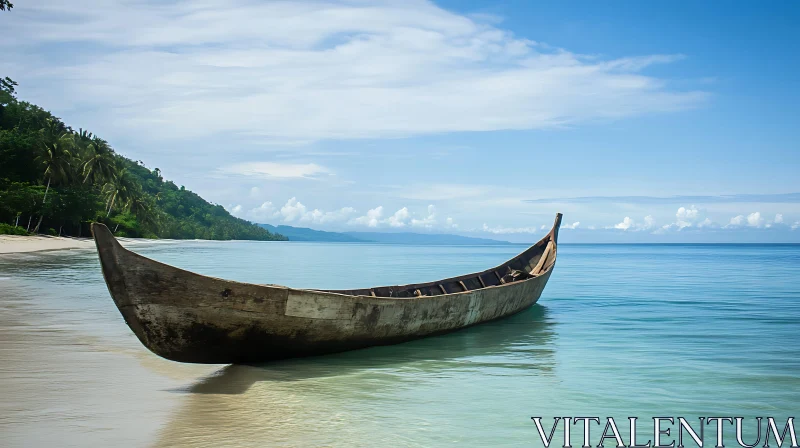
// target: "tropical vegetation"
[[57, 180]]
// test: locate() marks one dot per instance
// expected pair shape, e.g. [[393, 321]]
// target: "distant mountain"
[[305, 234]]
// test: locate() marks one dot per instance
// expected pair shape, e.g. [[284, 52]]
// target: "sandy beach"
[[18, 244], [15, 244]]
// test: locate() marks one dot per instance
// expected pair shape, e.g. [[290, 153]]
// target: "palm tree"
[[55, 154], [144, 209], [99, 164], [83, 137], [120, 186]]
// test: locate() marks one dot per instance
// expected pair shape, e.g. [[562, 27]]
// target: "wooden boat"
[[187, 317]]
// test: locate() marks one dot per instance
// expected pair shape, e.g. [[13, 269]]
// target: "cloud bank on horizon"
[[353, 114], [686, 219]]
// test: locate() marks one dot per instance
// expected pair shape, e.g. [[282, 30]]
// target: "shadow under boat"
[[524, 340]]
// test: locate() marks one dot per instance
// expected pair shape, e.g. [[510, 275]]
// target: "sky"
[[640, 121]]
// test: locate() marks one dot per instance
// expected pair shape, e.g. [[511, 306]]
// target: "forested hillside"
[[57, 180]]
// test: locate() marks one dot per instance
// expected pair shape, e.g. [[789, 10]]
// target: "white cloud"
[[505, 230], [574, 225], [689, 217], [236, 210], [371, 219], [254, 192], [626, 224], [777, 220], [796, 225], [307, 71], [755, 219], [276, 170], [340, 215], [685, 217], [629, 224], [687, 214], [736, 221], [293, 210], [263, 213], [402, 218], [428, 221], [752, 220], [317, 216], [705, 223], [399, 218]]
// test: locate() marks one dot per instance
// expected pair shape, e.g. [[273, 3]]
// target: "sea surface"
[[620, 330]]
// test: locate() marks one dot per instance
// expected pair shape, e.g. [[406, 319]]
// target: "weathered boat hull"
[[187, 317]]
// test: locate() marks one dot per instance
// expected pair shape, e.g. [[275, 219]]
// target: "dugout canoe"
[[187, 317]]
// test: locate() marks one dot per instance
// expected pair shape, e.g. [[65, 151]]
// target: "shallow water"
[[620, 330]]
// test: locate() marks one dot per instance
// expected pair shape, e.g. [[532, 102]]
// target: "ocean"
[[620, 330]]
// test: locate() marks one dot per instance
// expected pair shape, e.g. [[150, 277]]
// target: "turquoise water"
[[620, 330]]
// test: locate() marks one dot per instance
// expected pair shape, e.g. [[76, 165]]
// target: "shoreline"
[[16, 244], [21, 244]]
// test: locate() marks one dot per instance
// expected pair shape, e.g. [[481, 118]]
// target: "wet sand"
[[60, 388]]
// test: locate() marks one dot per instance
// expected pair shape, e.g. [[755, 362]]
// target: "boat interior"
[[528, 264]]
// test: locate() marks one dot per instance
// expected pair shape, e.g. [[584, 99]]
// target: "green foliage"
[[7, 90], [6, 229], [53, 177]]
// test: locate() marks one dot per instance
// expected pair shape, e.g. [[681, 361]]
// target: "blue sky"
[[639, 121]]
